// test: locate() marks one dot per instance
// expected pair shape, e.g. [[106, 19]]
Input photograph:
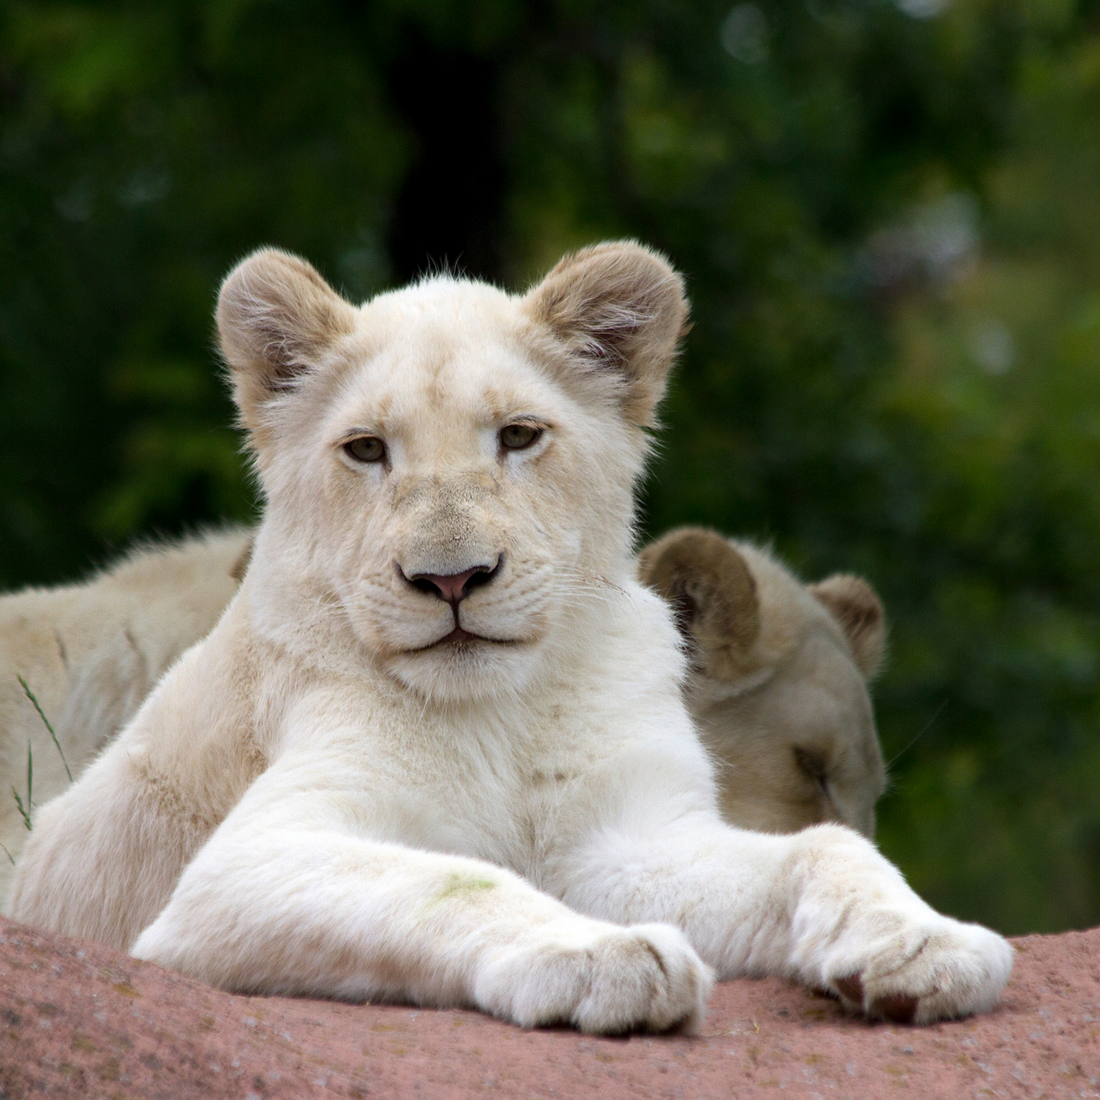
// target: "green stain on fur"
[[458, 886]]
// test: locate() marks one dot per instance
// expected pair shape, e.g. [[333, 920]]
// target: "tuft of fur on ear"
[[276, 315], [618, 308], [856, 606], [709, 584]]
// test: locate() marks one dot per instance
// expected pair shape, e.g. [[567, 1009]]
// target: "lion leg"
[[64, 883], [286, 899], [822, 907]]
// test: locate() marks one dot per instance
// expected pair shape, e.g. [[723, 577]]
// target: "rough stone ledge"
[[78, 1019]]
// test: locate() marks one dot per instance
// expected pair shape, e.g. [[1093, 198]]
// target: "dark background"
[[889, 217]]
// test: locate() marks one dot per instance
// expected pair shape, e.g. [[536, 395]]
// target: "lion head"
[[447, 465], [779, 681]]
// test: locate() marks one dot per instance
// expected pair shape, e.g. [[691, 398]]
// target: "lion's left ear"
[[619, 309], [856, 606]]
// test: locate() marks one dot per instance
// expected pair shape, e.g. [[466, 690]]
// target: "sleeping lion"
[[436, 750], [778, 680]]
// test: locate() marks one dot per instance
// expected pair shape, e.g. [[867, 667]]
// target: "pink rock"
[[78, 1019]]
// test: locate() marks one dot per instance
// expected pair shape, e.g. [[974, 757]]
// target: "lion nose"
[[455, 587]]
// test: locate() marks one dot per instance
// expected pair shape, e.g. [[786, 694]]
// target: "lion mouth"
[[462, 639]]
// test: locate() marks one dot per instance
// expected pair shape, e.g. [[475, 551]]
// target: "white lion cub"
[[435, 750]]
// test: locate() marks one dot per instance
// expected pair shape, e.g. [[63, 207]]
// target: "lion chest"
[[492, 789]]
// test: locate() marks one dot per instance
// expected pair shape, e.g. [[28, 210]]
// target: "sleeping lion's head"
[[446, 466], [779, 680]]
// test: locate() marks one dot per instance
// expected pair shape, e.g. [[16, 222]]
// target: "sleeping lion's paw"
[[598, 978], [918, 970]]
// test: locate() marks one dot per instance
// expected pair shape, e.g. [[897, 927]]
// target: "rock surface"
[[78, 1019]]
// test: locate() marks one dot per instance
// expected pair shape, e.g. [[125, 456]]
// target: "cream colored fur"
[[91, 652], [353, 787], [778, 680]]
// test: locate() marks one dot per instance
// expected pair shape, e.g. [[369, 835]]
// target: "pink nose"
[[455, 587]]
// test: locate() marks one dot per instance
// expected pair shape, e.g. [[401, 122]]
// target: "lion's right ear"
[[276, 316], [708, 583]]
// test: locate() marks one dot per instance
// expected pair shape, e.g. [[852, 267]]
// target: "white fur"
[[317, 799]]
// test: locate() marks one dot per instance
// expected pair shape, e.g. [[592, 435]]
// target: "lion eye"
[[518, 437], [813, 767], [366, 448]]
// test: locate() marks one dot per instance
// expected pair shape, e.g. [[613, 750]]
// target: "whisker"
[[927, 726]]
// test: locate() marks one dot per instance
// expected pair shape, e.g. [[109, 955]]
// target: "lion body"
[[436, 748]]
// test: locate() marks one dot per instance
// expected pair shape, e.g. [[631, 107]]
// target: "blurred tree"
[[889, 216]]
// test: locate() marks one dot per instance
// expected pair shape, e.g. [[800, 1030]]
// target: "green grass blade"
[[41, 714], [22, 809]]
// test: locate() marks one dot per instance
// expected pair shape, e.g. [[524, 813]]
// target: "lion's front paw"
[[917, 971], [598, 978]]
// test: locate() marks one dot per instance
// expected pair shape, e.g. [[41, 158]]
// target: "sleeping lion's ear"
[[619, 309], [276, 315], [856, 606], [708, 583]]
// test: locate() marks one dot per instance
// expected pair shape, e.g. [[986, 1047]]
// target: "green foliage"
[[890, 225]]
